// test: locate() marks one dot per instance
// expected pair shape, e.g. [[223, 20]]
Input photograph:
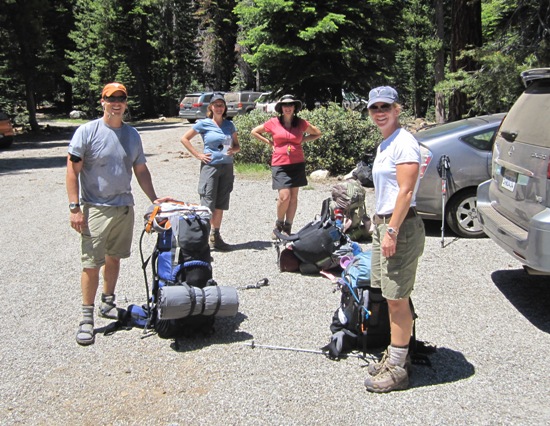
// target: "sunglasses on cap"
[[381, 108], [113, 99]]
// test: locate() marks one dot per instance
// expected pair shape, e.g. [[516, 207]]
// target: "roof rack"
[[535, 74]]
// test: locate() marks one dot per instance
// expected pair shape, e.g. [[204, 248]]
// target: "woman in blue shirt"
[[221, 142]]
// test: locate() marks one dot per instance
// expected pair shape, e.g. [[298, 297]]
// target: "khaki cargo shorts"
[[396, 275], [109, 233]]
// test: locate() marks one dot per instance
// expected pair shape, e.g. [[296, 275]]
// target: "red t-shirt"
[[287, 143]]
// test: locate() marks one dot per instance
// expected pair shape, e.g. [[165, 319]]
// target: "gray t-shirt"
[[109, 155]]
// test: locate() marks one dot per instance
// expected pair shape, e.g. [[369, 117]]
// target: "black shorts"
[[289, 176]]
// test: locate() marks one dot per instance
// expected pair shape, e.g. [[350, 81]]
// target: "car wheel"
[[462, 214], [191, 120]]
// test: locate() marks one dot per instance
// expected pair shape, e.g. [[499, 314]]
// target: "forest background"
[[448, 59]]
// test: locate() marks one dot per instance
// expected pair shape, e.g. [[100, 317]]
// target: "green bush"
[[347, 136]]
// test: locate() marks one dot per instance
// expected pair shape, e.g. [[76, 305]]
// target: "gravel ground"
[[490, 322]]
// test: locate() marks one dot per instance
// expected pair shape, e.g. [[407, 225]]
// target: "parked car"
[[266, 102], [467, 144], [193, 106], [514, 205], [6, 131], [240, 102]]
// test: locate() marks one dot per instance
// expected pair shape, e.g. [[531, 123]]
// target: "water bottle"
[[338, 217]]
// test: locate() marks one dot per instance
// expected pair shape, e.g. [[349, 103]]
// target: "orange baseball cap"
[[111, 88]]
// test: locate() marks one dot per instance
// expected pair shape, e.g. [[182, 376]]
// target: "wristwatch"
[[73, 206], [392, 231]]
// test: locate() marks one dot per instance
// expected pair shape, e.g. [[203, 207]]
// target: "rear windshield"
[[231, 97], [528, 118], [190, 100], [267, 97]]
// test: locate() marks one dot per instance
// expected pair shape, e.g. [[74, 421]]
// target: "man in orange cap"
[[103, 154]]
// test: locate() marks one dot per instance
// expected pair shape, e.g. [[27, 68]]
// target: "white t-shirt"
[[401, 147]]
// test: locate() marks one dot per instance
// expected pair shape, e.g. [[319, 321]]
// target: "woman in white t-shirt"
[[398, 235]]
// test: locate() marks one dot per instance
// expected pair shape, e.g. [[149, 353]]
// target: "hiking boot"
[[375, 367], [389, 378], [278, 227], [217, 243]]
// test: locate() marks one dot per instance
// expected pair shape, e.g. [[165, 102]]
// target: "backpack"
[[315, 247], [349, 197], [184, 299], [362, 322], [362, 319]]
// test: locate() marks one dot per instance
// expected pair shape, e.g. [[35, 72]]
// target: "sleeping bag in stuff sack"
[[180, 301]]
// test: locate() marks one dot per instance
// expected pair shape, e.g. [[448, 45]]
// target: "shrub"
[[347, 136]]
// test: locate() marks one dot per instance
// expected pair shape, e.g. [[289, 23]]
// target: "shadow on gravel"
[[529, 294], [447, 366], [226, 331], [10, 165], [144, 127], [252, 245]]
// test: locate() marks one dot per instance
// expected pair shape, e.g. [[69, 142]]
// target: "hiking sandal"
[[85, 335]]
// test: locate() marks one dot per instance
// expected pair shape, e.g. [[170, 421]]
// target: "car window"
[[265, 98], [528, 118], [190, 100], [483, 140], [231, 97]]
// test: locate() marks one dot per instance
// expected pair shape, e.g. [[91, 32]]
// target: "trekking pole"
[[284, 348], [444, 167]]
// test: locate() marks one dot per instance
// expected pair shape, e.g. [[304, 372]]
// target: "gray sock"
[[398, 355], [108, 307], [88, 313]]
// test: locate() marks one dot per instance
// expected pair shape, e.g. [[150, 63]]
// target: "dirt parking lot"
[[489, 321]]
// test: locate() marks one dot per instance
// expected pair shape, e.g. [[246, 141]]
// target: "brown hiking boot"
[[375, 367], [217, 243], [389, 378]]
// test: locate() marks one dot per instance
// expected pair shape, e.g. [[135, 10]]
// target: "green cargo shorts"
[[110, 231], [396, 275]]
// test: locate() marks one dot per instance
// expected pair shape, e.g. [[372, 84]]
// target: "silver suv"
[[514, 206], [240, 102], [193, 106]]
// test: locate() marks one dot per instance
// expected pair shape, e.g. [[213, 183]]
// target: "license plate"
[[509, 180]]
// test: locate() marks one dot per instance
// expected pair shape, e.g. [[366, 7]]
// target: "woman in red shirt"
[[288, 168]]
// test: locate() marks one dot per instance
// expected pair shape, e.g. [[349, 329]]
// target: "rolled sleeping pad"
[[180, 301]]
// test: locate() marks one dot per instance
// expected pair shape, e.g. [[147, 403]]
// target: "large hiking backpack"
[[362, 320], [349, 198], [317, 246], [184, 299]]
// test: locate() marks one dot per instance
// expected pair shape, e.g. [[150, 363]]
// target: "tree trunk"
[[440, 61], [466, 33]]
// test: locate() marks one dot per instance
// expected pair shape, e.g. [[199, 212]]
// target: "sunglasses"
[[113, 99], [381, 108]]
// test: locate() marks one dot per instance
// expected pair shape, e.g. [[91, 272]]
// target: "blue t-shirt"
[[217, 140], [109, 155]]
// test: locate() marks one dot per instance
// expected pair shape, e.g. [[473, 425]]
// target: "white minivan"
[[514, 205]]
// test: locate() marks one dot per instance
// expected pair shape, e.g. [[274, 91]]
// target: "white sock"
[[398, 355]]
